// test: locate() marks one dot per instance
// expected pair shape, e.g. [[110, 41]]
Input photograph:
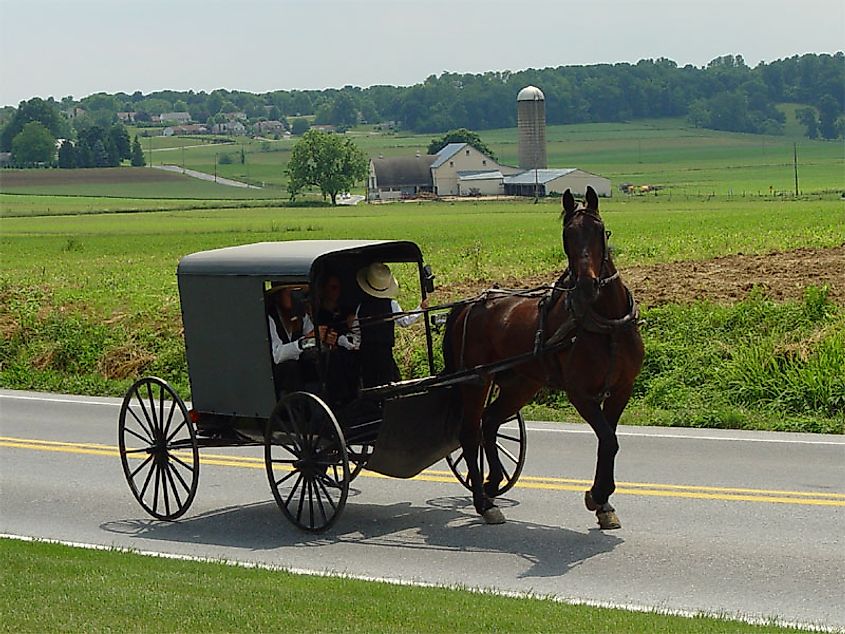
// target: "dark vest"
[[336, 320], [376, 333]]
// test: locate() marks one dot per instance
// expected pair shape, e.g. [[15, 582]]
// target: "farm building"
[[547, 181], [175, 117], [459, 169], [399, 177]]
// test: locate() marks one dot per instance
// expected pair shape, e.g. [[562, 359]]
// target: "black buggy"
[[314, 443]]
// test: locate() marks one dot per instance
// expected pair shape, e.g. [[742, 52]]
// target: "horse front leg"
[[470, 438], [596, 499]]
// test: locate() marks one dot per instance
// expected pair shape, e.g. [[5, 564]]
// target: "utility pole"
[[795, 165], [150, 149], [183, 156], [215, 167]]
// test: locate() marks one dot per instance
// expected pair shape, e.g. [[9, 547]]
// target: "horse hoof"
[[608, 520], [588, 500], [493, 516]]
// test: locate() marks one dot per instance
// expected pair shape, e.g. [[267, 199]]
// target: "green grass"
[[688, 161], [90, 302], [52, 588]]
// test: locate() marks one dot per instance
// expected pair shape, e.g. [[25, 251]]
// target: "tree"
[[299, 126], [67, 155], [34, 144], [343, 112], [828, 112], [807, 118], [119, 138], [461, 135], [36, 109], [137, 155], [328, 161]]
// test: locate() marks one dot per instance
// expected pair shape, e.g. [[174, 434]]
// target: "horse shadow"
[[444, 525]]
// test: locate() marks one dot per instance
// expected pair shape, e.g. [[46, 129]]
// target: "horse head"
[[585, 244]]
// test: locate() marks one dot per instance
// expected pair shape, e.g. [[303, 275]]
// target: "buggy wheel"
[[510, 445], [307, 462], [156, 434]]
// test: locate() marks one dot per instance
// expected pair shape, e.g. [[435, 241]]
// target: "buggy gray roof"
[[290, 259]]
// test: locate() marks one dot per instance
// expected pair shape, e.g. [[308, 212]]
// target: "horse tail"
[[448, 353]]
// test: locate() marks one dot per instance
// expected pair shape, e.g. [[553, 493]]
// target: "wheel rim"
[[158, 448], [307, 461], [510, 445]]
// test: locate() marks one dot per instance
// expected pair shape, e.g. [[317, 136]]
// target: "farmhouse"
[[175, 117]]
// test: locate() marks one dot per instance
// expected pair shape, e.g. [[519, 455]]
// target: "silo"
[[531, 127]]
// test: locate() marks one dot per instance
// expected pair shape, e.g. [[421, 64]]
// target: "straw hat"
[[376, 280]]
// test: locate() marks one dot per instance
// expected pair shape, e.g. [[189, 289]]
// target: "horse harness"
[[582, 317]]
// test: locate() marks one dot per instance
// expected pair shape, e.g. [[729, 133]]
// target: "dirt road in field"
[[782, 276]]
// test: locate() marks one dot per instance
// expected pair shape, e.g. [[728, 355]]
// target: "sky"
[[79, 47]]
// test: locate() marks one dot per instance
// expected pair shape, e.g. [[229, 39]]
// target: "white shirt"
[[286, 351]]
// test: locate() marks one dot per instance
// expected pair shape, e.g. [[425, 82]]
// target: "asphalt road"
[[736, 523]]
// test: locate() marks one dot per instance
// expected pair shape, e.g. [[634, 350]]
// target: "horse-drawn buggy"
[[321, 425]]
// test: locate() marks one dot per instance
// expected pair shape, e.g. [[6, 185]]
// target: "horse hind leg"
[[470, 438], [511, 396]]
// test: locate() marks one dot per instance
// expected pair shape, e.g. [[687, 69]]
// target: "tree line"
[[726, 94]]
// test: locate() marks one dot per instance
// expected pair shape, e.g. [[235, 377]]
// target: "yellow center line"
[[651, 489]]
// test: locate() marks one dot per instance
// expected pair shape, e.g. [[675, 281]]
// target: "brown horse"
[[585, 341]]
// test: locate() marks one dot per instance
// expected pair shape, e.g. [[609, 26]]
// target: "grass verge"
[[55, 588]]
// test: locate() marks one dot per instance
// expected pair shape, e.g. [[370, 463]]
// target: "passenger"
[[290, 334], [378, 367], [335, 325]]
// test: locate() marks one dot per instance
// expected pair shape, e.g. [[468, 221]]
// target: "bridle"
[[571, 276]]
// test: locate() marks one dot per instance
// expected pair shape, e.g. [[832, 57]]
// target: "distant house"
[[235, 128], [462, 158], [270, 127], [181, 130], [127, 117], [235, 116], [5, 159], [323, 127], [74, 112], [175, 117]]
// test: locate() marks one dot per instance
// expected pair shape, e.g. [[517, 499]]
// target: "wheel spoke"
[[301, 502], [179, 476], [152, 403], [146, 414], [320, 505], [164, 490], [311, 503], [328, 495], [176, 459], [144, 427], [173, 488], [170, 417], [506, 474], [286, 478], [279, 461], [155, 490], [176, 431], [161, 406], [146, 461], [506, 437], [295, 486], [139, 437], [505, 451]]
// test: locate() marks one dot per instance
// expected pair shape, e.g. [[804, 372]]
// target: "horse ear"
[[592, 199], [568, 202]]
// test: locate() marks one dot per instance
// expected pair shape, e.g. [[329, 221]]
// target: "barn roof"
[[398, 171], [480, 175], [543, 176], [446, 152]]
